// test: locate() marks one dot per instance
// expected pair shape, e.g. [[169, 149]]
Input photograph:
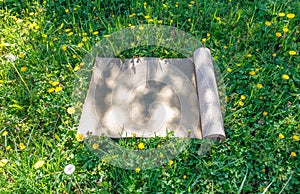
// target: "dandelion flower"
[[281, 14], [64, 47], [84, 39], [80, 44], [203, 40], [70, 33], [58, 89], [137, 170], [76, 68], [50, 90], [134, 135], [67, 10], [106, 35], [67, 30], [292, 53], [8, 148], [141, 146], [96, 33], [55, 83], [79, 137], [147, 17], [71, 110], [229, 70], [281, 136], [278, 34], [285, 29], [241, 103], [22, 146], [259, 86], [293, 154], [225, 47], [39, 164], [265, 113], [252, 73], [184, 176], [290, 15], [171, 162], [208, 34], [274, 55], [23, 69], [11, 58], [21, 55], [285, 76], [161, 155], [268, 23], [3, 162], [5, 133], [95, 146], [69, 169], [296, 138], [243, 97]]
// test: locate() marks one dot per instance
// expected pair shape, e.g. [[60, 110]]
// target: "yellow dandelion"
[[290, 15], [248, 55], [160, 21], [22, 146], [259, 86], [71, 110], [5, 133], [19, 21], [55, 39], [184, 176], [281, 136], [141, 146], [241, 103], [21, 55], [218, 18], [265, 113], [189, 20], [274, 55], [278, 34], [208, 34], [137, 170], [82, 64], [134, 135], [293, 154], [229, 70], [225, 47], [243, 97], [285, 29], [64, 47], [44, 35], [8, 148], [23, 69], [84, 39], [176, 4], [95, 32], [67, 30], [296, 138], [161, 155], [79, 137], [67, 10], [76, 68], [106, 35], [95, 146], [50, 90], [281, 14], [39, 164], [132, 15], [292, 53], [203, 40], [285, 76], [80, 44], [252, 73], [58, 89], [268, 23], [55, 83], [165, 6], [70, 33], [171, 162], [147, 17], [74, 56], [3, 162]]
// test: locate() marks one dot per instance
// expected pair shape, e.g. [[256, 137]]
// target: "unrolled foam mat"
[[147, 97]]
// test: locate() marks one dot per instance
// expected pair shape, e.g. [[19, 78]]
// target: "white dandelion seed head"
[[69, 169], [11, 58]]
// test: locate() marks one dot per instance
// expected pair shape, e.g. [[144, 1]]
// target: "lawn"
[[255, 48]]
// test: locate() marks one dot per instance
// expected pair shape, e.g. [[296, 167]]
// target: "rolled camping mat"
[[148, 97]]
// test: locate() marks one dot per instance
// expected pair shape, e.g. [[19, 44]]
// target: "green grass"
[[253, 159]]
